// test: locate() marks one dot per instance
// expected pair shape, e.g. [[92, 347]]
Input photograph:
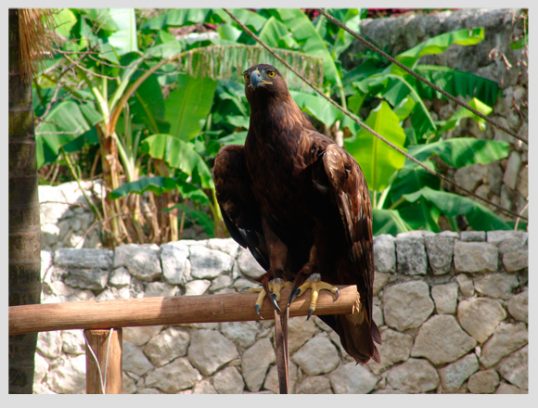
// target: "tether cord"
[[419, 77], [368, 128], [281, 351]]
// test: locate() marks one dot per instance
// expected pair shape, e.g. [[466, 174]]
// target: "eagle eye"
[[271, 74]]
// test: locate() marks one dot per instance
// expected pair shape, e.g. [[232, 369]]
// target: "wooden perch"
[[230, 307]]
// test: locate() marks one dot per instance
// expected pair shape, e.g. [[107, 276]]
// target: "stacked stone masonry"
[[452, 310]]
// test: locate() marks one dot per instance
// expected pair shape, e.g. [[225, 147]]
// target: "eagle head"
[[264, 80]]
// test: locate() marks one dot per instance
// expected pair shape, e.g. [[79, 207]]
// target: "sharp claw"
[[310, 311], [274, 301], [293, 295]]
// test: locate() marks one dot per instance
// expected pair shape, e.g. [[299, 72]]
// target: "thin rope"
[[419, 77], [368, 128]]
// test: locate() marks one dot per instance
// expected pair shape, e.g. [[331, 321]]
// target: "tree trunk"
[[24, 227]]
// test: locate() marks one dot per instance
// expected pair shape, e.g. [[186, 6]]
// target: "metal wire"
[[366, 127]]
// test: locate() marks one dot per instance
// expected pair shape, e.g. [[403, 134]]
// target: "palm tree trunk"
[[24, 227]]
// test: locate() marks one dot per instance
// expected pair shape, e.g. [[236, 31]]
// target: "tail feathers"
[[357, 334]]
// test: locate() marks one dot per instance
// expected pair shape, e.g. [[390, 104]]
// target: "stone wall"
[[504, 182], [66, 218], [452, 310]]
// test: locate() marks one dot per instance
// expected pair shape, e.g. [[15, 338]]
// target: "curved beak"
[[256, 78]]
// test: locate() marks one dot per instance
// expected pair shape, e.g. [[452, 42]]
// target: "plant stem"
[[77, 179]]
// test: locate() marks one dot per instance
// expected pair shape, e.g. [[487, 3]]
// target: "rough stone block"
[[209, 263], [413, 376], [83, 258], [515, 368], [496, 285], [87, 278], [352, 378], [472, 236], [411, 254], [400, 298], [483, 382], [507, 338], [455, 374], [445, 297], [318, 384], [384, 254], [248, 265], [209, 350], [480, 316], [175, 262], [167, 346], [441, 340], [326, 360], [440, 248], [518, 306], [228, 381], [142, 261], [174, 377], [255, 362], [474, 257]]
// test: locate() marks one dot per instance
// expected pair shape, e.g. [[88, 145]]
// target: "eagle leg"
[[315, 284]]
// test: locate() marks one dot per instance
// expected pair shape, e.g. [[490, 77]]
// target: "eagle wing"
[[342, 179], [238, 205]]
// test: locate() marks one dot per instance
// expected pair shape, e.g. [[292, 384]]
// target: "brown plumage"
[[300, 204]]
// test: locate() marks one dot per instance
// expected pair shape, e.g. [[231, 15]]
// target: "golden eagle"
[[300, 204]]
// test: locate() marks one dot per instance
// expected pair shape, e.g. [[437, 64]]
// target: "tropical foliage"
[[145, 100]]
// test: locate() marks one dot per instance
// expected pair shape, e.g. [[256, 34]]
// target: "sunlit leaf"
[[179, 154], [378, 160], [188, 106]]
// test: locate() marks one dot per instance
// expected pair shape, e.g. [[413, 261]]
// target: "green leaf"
[[199, 217], [64, 20], [124, 39], [180, 155], [462, 151], [251, 19], [316, 106], [455, 82], [276, 34], [237, 138], [478, 216], [63, 124], [519, 44], [439, 44], [229, 32], [147, 106], [388, 222], [157, 185], [378, 160], [338, 38], [409, 179], [310, 40], [188, 106], [463, 113]]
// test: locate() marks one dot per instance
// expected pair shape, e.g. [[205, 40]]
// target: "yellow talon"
[[315, 284]]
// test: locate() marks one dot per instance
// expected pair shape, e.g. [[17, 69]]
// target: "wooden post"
[[107, 348]]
